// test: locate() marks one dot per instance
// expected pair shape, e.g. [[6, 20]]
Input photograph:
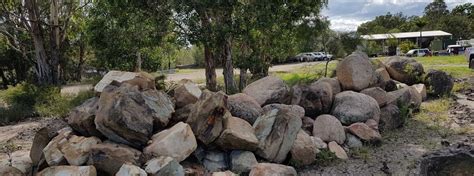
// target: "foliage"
[[325, 157], [406, 46]]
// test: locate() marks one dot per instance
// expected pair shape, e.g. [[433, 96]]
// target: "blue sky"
[[346, 15]]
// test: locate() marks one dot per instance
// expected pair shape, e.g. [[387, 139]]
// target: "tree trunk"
[[55, 42], [242, 79], [138, 66], [228, 69], [210, 69], [43, 70], [81, 61]]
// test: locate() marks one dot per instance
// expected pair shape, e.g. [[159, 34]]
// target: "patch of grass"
[[434, 114], [460, 86], [361, 152], [325, 157], [454, 70], [442, 60], [307, 74], [298, 78]]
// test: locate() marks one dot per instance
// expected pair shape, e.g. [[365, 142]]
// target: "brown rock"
[[10, 171], [364, 132], [335, 85], [81, 118], [378, 94], [270, 169], [407, 96], [245, 107], [109, 157], [307, 125], [350, 107], [268, 90], [316, 98], [421, 89], [328, 128], [337, 150], [186, 93], [68, 170], [76, 149], [238, 135], [355, 72], [304, 150], [143, 80], [52, 152], [372, 124]]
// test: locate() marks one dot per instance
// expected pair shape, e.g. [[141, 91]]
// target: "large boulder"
[[378, 94], [177, 142], [355, 72], [268, 90], [163, 166], [242, 161], [129, 116], [186, 93], [181, 114], [10, 171], [351, 107], [304, 150], [52, 152], [76, 149], [329, 128], [208, 116], [142, 79], [270, 169], [245, 107], [19, 159], [129, 169], [68, 170], [407, 96], [276, 131], [438, 82], [382, 77], [335, 85], [316, 98], [364, 132], [109, 157], [390, 118], [337, 150], [82, 117], [405, 70], [237, 135]]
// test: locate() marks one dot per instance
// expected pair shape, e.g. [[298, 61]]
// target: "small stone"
[[128, 170], [320, 144], [163, 166], [68, 170], [364, 132], [270, 169], [352, 141], [337, 150], [329, 128], [242, 161]]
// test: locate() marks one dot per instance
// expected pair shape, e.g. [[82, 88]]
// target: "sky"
[[346, 15]]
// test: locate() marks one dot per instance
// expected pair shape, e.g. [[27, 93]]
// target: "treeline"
[[51, 42], [436, 16]]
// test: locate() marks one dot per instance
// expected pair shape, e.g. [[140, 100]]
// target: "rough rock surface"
[[364, 132], [127, 115], [242, 161], [143, 80], [163, 166], [382, 77], [215, 161], [335, 85], [270, 169], [316, 98], [390, 118], [438, 82], [307, 125], [352, 141], [52, 152], [68, 170], [109, 157], [320, 144], [237, 135], [421, 89], [350, 107], [304, 150], [276, 131], [10, 171], [405, 70], [355, 72], [407, 96], [129, 169], [337, 150], [378, 94], [186, 93], [19, 159], [81, 118], [268, 90], [76, 149], [177, 142], [208, 116], [243, 106], [329, 128]]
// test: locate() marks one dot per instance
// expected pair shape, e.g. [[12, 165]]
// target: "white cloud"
[[347, 15]]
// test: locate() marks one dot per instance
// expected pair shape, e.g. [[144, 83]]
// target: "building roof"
[[405, 35]]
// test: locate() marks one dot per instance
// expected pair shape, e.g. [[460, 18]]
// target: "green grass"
[[453, 70], [306, 74], [442, 60]]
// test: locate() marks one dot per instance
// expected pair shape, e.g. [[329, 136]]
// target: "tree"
[[420, 23]]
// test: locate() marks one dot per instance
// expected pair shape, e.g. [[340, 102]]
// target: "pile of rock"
[[131, 128]]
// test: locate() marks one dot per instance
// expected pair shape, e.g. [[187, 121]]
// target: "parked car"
[[469, 53], [319, 56], [327, 56], [418, 52], [306, 57], [455, 49]]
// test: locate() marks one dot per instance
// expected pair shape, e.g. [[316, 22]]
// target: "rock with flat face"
[[127, 115], [350, 107], [270, 169], [316, 98], [407, 96], [144, 80], [68, 170], [181, 114], [177, 142], [237, 135], [355, 72], [52, 152], [304, 150], [335, 85], [208, 116], [390, 118], [405, 70], [364, 132], [276, 131], [129, 169], [163, 166], [109, 157], [81, 118], [186, 93], [243, 106], [76, 149], [242, 161], [438, 82], [329, 128], [421, 89], [378, 94], [337, 150], [268, 90]]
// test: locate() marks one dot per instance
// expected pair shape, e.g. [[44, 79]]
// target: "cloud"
[[347, 15]]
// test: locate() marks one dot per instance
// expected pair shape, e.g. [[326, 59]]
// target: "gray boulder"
[[407, 96], [378, 94], [405, 70], [81, 118], [163, 166], [129, 169], [268, 90], [390, 118], [329, 128], [350, 107], [186, 93], [215, 161], [68, 170], [438, 83], [242, 161], [304, 150], [245, 107], [237, 135], [352, 141]]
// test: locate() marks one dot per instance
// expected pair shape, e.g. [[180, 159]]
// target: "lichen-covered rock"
[[268, 90], [329, 128], [276, 131], [304, 150], [245, 107], [177, 142], [208, 116], [390, 118], [438, 82], [355, 72], [109, 157], [237, 135], [270, 169], [405, 70], [351, 107]]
